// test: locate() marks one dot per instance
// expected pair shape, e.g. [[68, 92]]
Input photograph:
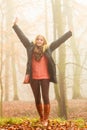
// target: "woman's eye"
[[41, 39]]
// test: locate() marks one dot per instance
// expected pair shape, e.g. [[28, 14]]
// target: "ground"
[[76, 109]]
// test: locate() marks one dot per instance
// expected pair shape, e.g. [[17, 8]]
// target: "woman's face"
[[39, 41]]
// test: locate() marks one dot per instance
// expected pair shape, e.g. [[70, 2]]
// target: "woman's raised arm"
[[61, 40], [20, 34]]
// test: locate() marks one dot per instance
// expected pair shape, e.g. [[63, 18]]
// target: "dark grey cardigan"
[[48, 52]]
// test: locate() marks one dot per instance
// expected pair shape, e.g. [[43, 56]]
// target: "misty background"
[[51, 18]]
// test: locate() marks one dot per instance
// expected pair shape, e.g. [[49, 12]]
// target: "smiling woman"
[[41, 69]]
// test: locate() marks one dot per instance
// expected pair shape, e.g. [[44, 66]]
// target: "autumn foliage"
[[34, 124]]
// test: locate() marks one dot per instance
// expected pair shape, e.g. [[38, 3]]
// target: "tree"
[[1, 66], [77, 60], [60, 89], [9, 17]]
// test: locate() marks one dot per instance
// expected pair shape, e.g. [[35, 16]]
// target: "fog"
[[36, 17]]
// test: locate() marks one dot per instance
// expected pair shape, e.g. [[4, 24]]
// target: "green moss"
[[34, 121], [12, 120], [80, 122]]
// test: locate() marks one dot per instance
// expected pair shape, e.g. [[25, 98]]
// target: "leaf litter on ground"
[[25, 123]]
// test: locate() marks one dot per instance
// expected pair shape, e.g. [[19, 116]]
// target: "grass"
[[13, 120], [18, 120]]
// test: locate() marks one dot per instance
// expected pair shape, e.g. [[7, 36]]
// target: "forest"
[[51, 18]]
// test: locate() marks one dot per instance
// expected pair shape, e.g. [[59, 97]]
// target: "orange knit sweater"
[[40, 68]]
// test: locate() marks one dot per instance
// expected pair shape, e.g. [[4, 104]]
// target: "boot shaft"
[[40, 111], [46, 111], [44, 114]]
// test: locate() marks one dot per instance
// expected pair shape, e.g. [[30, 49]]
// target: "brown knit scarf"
[[38, 52]]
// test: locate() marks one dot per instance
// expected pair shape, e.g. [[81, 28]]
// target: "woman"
[[41, 68]]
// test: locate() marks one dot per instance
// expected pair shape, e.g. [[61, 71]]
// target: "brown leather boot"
[[40, 111], [46, 113]]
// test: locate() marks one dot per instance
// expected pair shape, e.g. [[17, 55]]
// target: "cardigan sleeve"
[[21, 36], [61, 40]]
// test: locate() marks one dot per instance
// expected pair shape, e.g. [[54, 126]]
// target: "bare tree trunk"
[[6, 76], [14, 75], [61, 87], [46, 25], [10, 12], [1, 67], [77, 70]]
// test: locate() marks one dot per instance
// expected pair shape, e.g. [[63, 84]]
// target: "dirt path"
[[76, 109]]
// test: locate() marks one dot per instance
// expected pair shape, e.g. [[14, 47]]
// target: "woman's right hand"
[[26, 79]]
